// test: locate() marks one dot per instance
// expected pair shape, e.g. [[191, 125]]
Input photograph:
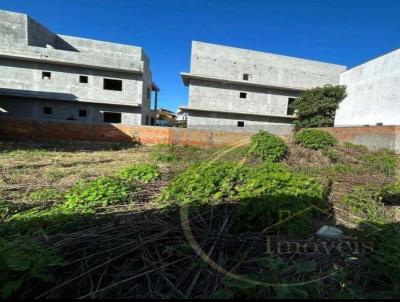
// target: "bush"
[[317, 107], [203, 183], [267, 146], [23, 259], [143, 172], [271, 191], [383, 161], [100, 192], [314, 139]]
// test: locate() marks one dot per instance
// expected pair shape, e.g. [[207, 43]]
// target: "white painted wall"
[[373, 92]]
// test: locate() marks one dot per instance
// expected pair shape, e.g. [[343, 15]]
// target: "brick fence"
[[10, 128], [31, 129]]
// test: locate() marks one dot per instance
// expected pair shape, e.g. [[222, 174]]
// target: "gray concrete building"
[[244, 90], [373, 97], [45, 75]]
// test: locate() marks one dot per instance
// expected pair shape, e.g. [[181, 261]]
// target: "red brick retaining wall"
[[11, 128]]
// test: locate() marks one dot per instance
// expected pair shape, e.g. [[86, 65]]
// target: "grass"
[[94, 214]]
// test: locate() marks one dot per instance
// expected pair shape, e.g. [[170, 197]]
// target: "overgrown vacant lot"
[[127, 221]]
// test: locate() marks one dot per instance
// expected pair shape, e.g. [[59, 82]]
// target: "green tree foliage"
[[267, 146], [317, 107]]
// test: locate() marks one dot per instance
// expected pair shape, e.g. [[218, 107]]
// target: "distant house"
[[181, 115], [48, 76], [244, 90], [373, 95], [165, 117]]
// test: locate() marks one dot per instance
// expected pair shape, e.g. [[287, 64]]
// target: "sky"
[[346, 32]]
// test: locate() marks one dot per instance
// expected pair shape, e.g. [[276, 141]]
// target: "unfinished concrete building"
[[238, 89], [373, 97], [44, 75]]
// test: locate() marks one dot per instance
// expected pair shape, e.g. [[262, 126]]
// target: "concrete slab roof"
[[186, 77], [187, 108]]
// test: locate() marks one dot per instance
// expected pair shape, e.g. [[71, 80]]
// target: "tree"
[[317, 107]]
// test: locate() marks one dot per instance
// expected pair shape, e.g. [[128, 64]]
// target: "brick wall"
[[31, 129], [10, 128]]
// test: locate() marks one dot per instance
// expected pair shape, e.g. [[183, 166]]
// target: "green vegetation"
[[142, 172], [203, 183], [164, 154], [333, 155], [267, 147], [271, 193], [23, 259], [46, 194], [314, 139], [352, 146], [317, 107], [74, 222], [101, 192], [365, 204], [384, 161]]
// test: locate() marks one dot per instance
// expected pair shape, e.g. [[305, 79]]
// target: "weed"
[[101, 192], [391, 194], [333, 155], [383, 161], [365, 204], [360, 148], [45, 195], [270, 191], [164, 153], [314, 139], [23, 259], [142, 172], [267, 147], [202, 183]]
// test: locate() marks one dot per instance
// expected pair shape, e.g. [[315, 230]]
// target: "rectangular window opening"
[[243, 95], [290, 108], [110, 84], [47, 110], [112, 117], [246, 77], [83, 79], [46, 75], [240, 124], [83, 113], [148, 93]]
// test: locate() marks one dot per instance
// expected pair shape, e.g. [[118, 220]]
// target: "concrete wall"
[[26, 77], [61, 110], [373, 93], [229, 122], [265, 68], [27, 48], [273, 80], [218, 96]]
